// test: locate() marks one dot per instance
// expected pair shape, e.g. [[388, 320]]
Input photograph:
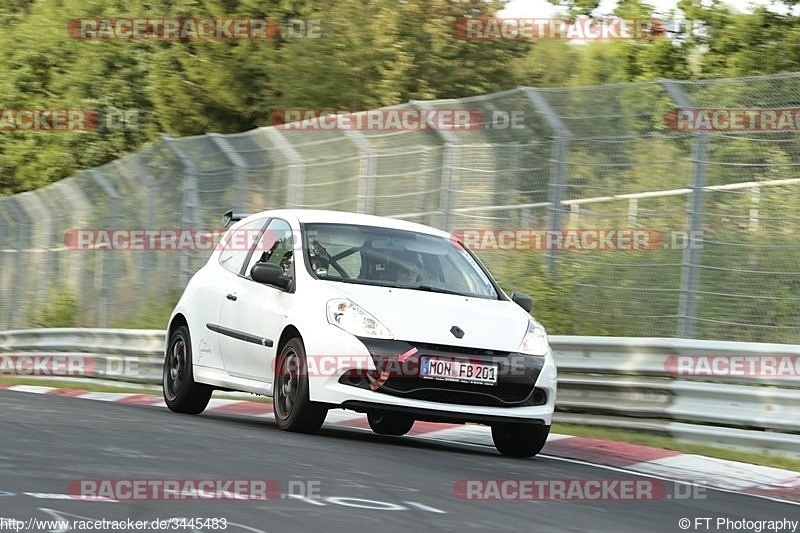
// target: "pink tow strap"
[[376, 384]]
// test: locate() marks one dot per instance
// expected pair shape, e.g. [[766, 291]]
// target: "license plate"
[[460, 371]]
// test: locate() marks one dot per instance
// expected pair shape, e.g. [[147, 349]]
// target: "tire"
[[389, 423], [519, 440], [290, 403], [181, 393]]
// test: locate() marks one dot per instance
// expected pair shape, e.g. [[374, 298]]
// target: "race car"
[[329, 310]]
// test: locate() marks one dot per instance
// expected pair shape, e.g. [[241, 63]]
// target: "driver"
[[410, 272]]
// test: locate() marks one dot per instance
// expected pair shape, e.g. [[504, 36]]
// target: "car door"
[[253, 314], [236, 247]]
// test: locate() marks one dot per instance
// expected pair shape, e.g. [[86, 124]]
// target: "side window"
[[237, 244], [276, 246]]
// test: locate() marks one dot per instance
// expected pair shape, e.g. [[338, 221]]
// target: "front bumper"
[[515, 387], [525, 392]]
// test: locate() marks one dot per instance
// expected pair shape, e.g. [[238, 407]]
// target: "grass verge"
[[89, 386]]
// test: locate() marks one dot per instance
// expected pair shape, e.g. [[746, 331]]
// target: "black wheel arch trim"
[[240, 335]]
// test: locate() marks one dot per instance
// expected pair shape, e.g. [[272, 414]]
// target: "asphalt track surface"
[[364, 482]]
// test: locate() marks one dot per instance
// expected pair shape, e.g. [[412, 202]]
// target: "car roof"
[[343, 217]]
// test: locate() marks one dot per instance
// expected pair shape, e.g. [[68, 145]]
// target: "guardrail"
[[127, 355], [647, 384], [658, 385]]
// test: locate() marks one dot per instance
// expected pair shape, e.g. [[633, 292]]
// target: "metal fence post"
[[239, 165], [366, 185], [80, 208], [506, 181], [558, 161], [23, 224], [36, 280], [690, 263], [449, 159], [143, 174], [191, 202], [101, 269], [297, 173], [7, 259]]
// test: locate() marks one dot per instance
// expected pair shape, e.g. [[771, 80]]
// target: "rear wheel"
[[389, 423], [181, 393], [292, 408], [519, 440]]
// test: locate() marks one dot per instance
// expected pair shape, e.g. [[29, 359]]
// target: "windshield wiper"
[[433, 288]]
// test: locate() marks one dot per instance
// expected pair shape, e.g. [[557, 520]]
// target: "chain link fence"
[[726, 204]]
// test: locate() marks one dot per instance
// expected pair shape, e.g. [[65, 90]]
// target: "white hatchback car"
[[326, 309]]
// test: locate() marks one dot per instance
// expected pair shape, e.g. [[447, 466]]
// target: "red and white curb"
[[774, 483]]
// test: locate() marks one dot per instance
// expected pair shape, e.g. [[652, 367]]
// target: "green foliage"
[[736, 44], [376, 53], [659, 439], [43, 68], [553, 302], [61, 310], [371, 53], [154, 315]]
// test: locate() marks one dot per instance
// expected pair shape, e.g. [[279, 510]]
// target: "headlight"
[[535, 341], [350, 317]]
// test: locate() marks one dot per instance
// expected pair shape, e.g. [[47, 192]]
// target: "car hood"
[[414, 315]]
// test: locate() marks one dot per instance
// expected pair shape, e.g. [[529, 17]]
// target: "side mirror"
[[523, 300], [270, 274]]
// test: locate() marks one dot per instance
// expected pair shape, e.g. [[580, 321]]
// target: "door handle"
[[232, 297]]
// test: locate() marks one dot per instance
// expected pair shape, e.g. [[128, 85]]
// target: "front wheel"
[[290, 403], [519, 440], [389, 423], [181, 393]]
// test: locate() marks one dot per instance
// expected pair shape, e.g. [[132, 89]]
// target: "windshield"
[[393, 258]]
